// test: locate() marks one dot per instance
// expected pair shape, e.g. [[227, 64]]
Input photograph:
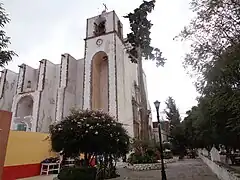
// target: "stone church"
[[104, 79]]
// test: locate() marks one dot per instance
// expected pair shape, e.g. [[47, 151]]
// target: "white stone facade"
[[39, 97]]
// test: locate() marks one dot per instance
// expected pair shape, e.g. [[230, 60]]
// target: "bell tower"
[[104, 50]]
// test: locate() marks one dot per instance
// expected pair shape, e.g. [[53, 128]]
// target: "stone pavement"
[[188, 169]]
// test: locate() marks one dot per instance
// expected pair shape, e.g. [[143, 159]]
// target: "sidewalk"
[[188, 169], [49, 177]]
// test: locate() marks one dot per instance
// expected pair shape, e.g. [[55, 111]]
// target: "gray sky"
[[43, 29]]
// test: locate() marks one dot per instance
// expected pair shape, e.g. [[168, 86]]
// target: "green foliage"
[[86, 131], [76, 173], [91, 133], [136, 158], [176, 132], [172, 113], [5, 54], [145, 152], [139, 37], [214, 29], [138, 41], [214, 34]]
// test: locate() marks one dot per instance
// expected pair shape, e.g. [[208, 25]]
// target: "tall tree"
[[177, 137], [139, 39], [5, 54], [214, 34], [172, 112], [215, 27]]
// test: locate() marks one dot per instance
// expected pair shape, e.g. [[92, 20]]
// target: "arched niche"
[[24, 107], [99, 82]]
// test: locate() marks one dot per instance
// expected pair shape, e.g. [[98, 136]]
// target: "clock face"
[[99, 42]]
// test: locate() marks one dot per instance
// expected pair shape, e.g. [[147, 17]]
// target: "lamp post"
[[157, 104]]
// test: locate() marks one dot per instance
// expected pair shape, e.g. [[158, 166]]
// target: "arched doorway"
[[23, 117], [24, 107], [99, 81]]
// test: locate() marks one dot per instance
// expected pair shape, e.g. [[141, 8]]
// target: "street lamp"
[[157, 104]]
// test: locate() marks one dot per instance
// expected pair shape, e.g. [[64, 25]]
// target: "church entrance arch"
[[99, 81], [23, 119], [25, 106]]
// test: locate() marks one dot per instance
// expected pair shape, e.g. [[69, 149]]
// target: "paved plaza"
[[189, 169]]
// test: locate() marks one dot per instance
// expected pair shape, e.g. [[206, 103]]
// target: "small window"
[[29, 84]]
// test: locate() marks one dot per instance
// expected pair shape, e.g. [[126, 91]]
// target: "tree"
[[214, 34], [176, 131], [215, 28], [139, 39], [172, 113], [5, 54], [91, 133]]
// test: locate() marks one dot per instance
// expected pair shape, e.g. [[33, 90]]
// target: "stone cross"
[[105, 8]]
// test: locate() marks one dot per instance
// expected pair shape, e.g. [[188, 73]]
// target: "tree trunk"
[[143, 99]]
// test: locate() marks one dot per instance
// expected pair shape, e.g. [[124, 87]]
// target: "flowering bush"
[[94, 133]]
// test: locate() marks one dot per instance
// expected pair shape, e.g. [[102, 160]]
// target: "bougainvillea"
[[88, 131]]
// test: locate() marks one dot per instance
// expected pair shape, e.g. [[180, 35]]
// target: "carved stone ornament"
[[99, 42], [99, 26]]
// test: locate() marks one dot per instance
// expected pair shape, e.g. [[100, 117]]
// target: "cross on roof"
[[105, 6]]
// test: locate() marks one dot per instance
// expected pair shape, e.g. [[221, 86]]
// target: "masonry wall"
[[109, 23], [31, 75], [48, 97], [130, 73], [120, 65], [8, 86], [70, 89], [124, 82], [91, 49], [79, 83]]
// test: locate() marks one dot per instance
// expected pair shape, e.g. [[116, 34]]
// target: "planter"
[[149, 166], [144, 167]]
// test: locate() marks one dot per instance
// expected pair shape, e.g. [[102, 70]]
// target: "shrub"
[[135, 158], [76, 173], [89, 132], [167, 155]]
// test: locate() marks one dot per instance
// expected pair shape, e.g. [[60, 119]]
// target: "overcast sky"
[[43, 29]]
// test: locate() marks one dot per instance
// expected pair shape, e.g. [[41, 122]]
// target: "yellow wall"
[[27, 148]]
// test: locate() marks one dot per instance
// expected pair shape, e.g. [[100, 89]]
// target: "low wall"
[[151, 166], [5, 121], [221, 172], [25, 151]]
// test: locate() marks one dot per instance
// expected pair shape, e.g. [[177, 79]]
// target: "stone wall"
[[221, 172], [92, 48], [8, 85], [48, 97], [31, 75], [130, 76], [110, 27], [79, 83], [120, 78], [70, 89]]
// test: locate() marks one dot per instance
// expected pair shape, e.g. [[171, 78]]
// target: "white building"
[[104, 79]]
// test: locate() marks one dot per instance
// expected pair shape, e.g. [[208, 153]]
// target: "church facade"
[[104, 79]]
